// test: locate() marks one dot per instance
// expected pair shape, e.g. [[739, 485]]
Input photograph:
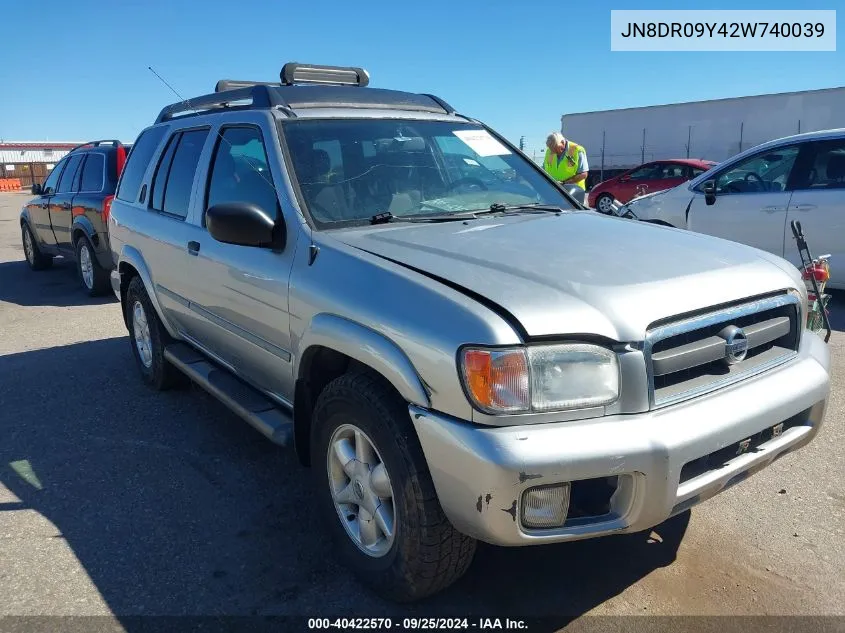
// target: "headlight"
[[540, 378]]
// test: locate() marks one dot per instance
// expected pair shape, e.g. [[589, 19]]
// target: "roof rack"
[[233, 84], [96, 144], [296, 73], [449, 109], [306, 86], [259, 96]]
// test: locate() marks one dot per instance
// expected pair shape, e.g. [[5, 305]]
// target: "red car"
[[648, 178]]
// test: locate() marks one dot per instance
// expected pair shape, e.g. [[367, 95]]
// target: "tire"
[[603, 203], [156, 371], [93, 277], [426, 553], [34, 257]]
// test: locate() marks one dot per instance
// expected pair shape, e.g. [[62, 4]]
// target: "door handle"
[[45, 205], [193, 248], [773, 209], [66, 205], [804, 207]]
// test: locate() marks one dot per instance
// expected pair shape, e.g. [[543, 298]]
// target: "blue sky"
[[78, 70]]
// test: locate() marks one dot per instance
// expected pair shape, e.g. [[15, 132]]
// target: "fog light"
[[545, 506]]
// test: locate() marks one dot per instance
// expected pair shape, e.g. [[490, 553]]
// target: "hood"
[[578, 272], [608, 181], [667, 205], [646, 196]]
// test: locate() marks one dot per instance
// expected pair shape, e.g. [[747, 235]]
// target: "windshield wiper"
[[387, 216], [498, 207], [382, 218]]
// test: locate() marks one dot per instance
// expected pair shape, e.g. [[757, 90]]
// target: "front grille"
[[690, 356]]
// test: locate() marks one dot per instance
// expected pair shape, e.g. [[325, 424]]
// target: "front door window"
[[766, 172], [53, 178]]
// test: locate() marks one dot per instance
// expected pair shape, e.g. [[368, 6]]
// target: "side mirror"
[[576, 192], [709, 190], [37, 189], [244, 224], [625, 178]]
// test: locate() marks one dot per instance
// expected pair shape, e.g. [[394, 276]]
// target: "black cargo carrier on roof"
[[307, 86]]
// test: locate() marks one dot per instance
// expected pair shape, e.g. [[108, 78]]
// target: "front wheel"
[[604, 204], [375, 490]]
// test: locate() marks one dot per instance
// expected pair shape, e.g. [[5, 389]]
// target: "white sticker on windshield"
[[482, 143], [471, 161]]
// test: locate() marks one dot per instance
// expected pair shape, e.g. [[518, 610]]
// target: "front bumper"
[[480, 473]]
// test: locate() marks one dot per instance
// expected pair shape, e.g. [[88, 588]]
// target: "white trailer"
[[711, 130]]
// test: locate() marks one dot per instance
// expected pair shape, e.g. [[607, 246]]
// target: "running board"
[[246, 402]]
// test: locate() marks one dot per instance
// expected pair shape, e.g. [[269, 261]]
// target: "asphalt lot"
[[117, 500]]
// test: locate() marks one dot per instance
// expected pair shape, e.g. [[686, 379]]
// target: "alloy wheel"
[[361, 490], [605, 204], [141, 332], [28, 249], [86, 266]]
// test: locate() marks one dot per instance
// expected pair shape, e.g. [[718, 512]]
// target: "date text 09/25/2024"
[[410, 624]]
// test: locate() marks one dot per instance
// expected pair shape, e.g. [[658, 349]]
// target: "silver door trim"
[[172, 295]]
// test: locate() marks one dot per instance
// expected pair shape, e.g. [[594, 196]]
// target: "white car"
[[752, 197]]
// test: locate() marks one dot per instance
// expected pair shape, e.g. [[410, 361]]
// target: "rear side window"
[[66, 181], [92, 173], [828, 166], [136, 163], [175, 173], [160, 176]]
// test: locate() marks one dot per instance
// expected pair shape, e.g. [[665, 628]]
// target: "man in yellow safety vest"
[[566, 161]]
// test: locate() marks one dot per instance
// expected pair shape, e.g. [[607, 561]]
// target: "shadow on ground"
[[173, 506], [56, 286]]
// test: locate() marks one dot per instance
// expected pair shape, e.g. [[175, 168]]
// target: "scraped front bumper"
[[658, 460]]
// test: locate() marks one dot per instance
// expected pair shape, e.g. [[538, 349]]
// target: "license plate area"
[[719, 459]]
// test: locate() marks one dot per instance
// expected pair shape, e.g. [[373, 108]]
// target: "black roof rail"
[[296, 73], [449, 109], [114, 142], [260, 96], [233, 84], [305, 86]]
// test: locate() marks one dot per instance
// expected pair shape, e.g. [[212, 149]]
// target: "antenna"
[[219, 134], [162, 80]]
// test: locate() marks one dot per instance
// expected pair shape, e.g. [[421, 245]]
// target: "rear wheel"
[[34, 257], [376, 492], [149, 338], [94, 278]]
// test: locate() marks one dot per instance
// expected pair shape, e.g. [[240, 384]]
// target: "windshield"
[[350, 170]]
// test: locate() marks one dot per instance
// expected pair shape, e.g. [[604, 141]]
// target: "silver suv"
[[457, 348]]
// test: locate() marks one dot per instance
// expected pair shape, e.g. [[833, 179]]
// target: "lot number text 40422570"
[[416, 624]]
